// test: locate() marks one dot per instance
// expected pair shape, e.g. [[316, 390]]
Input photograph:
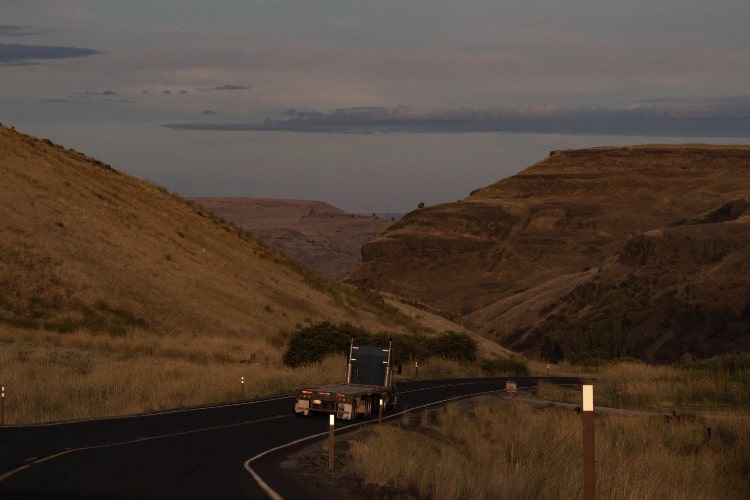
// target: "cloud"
[[16, 30], [90, 96], [723, 117], [232, 87], [226, 87], [19, 54], [103, 93]]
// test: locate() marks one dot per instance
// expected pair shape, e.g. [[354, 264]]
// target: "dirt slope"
[[504, 260]]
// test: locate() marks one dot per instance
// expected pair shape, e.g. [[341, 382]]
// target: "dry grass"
[[497, 449], [488, 448], [665, 388], [51, 377]]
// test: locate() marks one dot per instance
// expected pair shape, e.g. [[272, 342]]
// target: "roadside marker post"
[[511, 388], [380, 412], [2, 407], [587, 416], [330, 442]]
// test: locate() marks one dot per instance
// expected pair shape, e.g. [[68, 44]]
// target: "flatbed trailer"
[[371, 368]]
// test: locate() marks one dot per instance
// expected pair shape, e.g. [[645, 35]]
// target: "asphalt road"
[[189, 453]]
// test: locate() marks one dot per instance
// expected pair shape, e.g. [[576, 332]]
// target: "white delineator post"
[[330, 442], [2, 407], [587, 417]]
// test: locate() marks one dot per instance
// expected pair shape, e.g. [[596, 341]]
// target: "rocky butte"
[[607, 252]]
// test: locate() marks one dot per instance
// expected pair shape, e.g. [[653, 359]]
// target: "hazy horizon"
[[372, 107]]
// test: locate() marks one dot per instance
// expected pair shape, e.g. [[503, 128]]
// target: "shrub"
[[456, 346], [312, 343]]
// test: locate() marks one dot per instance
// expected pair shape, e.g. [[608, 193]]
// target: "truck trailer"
[[368, 385]]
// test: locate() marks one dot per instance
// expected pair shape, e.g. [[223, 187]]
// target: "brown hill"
[[318, 235], [83, 246], [531, 261]]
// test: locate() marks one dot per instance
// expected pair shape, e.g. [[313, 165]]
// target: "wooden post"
[[589, 472], [330, 442]]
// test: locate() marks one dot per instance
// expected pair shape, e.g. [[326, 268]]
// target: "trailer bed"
[[349, 389]]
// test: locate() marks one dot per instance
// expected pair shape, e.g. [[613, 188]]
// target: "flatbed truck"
[[369, 384]]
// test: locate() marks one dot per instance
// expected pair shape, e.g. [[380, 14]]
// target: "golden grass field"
[[50, 376], [489, 448], [695, 443]]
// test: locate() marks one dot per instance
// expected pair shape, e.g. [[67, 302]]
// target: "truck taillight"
[[306, 394], [342, 398]]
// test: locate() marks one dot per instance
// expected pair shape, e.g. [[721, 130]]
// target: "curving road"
[[206, 452]]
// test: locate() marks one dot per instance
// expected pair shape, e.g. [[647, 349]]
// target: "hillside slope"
[[85, 246], [506, 259], [317, 234]]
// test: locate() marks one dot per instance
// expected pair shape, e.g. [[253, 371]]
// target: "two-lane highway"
[[189, 453]]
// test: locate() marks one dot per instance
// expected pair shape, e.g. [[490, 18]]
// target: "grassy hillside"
[[85, 246], [516, 260], [117, 296]]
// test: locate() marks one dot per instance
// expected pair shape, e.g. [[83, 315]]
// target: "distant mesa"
[[610, 252]]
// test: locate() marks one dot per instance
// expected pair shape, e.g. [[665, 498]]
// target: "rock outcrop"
[[507, 260]]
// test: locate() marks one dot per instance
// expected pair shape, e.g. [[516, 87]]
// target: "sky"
[[369, 106]]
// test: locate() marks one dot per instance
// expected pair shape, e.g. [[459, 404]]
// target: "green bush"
[[456, 346], [312, 343]]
